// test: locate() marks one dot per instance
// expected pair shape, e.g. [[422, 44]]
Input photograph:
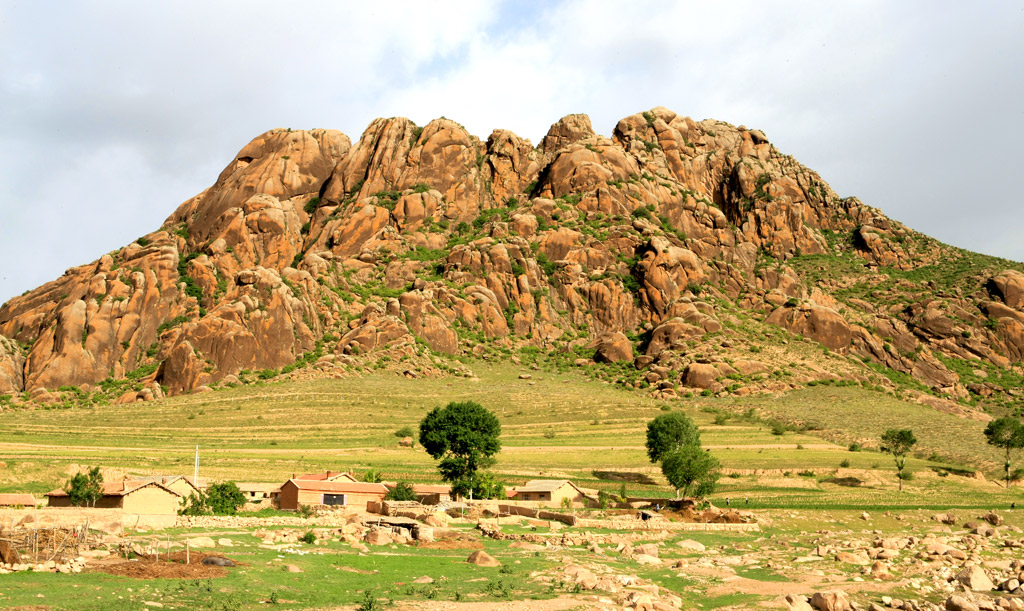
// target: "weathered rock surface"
[[417, 238]]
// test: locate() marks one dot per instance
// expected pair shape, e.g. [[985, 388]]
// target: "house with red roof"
[[307, 492]]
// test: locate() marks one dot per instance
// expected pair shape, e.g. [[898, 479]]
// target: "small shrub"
[[401, 492], [854, 447], [845, 463], [370, 602], [778, 429], [309, 537], [405, 431]]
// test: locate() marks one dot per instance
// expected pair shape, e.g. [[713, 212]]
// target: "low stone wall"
[[106, 520], [333, 520], [540, 514], [665, 525]]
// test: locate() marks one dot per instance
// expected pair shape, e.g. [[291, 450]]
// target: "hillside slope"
[[672, 252]]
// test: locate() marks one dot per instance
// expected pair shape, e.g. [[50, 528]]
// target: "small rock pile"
[[51, 566]]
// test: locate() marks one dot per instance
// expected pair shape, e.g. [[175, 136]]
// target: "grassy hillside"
[[554, 425]]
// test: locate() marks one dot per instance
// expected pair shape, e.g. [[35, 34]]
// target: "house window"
[[334, 499]]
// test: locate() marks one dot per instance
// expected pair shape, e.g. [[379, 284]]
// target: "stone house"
[[329, 476], [177, 483], [258, 494], [17, 500], [296, 492], [137, 497], [548, 491]]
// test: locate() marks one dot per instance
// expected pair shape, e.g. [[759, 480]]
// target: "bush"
[[220, 499], [778, 429], [845, 464], [309, 537], [854, 447], [405, 431], [224, 498], [401, 492]]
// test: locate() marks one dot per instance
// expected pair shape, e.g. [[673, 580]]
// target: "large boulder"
[[1008, 287], [974, 578], [834, 600], [818, 323], [613, 348], [700, 375], [12, 366], [482, 558]]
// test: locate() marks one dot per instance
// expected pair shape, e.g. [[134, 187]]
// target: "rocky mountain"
[[674, 255]]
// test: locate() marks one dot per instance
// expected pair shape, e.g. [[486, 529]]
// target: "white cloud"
[[913, 106]]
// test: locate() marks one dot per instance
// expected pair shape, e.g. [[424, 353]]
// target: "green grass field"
[[553, 425]]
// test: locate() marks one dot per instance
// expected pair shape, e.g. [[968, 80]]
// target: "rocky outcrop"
[[668, 244], [819, 323], [12, 366]]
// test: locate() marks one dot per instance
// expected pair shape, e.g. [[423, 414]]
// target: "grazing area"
[[776, 450]]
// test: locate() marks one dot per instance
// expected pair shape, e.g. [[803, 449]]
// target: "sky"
[[113, 113]]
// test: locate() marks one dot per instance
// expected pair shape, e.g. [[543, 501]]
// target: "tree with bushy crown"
[[688, 465], [669, 432], [84, 489], [220, 499], [463, 436], [898, 443], [401, 492], [1006, 433]]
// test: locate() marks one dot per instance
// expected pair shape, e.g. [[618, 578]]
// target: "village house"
[[430, 494], [17, 500], [549, 491], [258, 493], [329, 476], [296, 492], [138, 497], [427, 494], [176, 483]]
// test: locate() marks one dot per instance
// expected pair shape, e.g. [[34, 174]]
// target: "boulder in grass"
[[482, 558]]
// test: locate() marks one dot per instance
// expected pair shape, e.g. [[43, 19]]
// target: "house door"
[[334, 499]]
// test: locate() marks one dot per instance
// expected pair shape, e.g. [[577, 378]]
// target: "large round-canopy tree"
[[464, 438]]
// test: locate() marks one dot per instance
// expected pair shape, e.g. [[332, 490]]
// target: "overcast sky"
[[113, 113]]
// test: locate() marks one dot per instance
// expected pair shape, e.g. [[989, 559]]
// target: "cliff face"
[[655, 246]]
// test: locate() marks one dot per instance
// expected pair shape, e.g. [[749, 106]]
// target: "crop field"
[[554, 425], [785, 458]]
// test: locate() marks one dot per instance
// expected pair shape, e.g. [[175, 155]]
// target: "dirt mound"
[[450, 544], [173, 567], [706, 516]]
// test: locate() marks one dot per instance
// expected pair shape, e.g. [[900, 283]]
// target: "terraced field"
[[554, 425]]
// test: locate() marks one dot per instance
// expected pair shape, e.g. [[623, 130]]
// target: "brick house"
[[296, 492], [329, 476], [548, 490], [139, 497]]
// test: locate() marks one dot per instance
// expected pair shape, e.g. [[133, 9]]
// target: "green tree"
[[669, 432], [688, 465], [84, 489], [220, 499], [1006, 433], [464, 438], [898, 443], [372, 476], [224, 498], [401, 492]]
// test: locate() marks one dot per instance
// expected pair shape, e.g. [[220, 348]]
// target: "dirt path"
[[563, 603]]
